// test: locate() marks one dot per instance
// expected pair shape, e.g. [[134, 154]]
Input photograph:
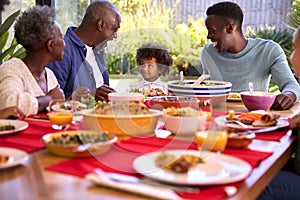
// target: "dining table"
[[40, 176]]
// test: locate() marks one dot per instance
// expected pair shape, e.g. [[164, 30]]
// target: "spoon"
[[82, 147], [201, 79], [251, 88], [181, 78]]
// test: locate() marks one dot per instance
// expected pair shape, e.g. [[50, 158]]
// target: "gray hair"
[[35, 27], [99, 9]]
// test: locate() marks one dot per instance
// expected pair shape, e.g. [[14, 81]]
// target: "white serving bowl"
[[215, 90], [181, 125]]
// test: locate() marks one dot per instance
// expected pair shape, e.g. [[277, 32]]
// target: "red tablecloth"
[[29, 140], [119, 159]]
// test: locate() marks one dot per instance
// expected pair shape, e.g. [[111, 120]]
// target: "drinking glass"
[[61, 114], [212, 140]]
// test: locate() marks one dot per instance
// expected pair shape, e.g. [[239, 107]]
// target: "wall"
[[257, 13]]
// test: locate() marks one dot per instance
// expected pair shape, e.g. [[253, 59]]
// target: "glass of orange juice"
[[60, 120], [212, 140], [60, 114]]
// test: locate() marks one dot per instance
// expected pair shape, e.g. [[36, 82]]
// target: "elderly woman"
[[26, 83]]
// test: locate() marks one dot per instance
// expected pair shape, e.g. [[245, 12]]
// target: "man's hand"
[[79, 93], [284, 101], [295, 122], [101, 93]]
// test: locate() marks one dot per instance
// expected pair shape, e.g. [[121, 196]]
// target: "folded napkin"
[[146, 190], [29, 140], [120, 158]]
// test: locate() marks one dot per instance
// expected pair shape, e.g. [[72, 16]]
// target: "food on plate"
[[4, 158], [179, 165], [154, 92], [234, 96], [80, 138], [183, 112], [230, 115], [121, 108], [150, 92], [258, 118], [6, 127], [236, 140]]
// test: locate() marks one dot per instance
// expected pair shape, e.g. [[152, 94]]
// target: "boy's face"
[[149, 69], [295, 56]]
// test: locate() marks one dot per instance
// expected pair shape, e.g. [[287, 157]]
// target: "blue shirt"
[[74, 71]]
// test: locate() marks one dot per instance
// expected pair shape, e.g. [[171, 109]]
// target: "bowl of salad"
[[81, 143]]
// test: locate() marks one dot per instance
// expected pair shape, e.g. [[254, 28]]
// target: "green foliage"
[[293, 17], [13, 49], [150, 21], [197, 34]]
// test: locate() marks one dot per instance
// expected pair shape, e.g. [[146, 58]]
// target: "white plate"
[[222, 119], [19, 125], [16, 157], [216, 169]]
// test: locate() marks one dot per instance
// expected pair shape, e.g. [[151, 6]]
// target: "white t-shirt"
[[90, 57]]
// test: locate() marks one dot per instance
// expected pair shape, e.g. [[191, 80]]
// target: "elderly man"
[[239, 60], [83, 68]]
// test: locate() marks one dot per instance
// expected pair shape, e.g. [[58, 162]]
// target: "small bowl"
[[239, 141], [181, 125], [258, 101], [162, 102], [130, 96], [71, 150]]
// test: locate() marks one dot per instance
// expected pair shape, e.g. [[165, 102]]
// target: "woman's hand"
[[12, 112]]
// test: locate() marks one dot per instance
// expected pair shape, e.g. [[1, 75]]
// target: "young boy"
[[154, 61]]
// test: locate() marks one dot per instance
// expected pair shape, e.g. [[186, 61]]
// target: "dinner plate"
[[234, 97], [18, 124], [16, 157], [222, 119], [216, 169]]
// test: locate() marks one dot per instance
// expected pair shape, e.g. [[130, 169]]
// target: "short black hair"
[[227, 9]]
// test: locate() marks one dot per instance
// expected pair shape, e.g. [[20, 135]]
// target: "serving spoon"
[[201, 78], [251, 88]]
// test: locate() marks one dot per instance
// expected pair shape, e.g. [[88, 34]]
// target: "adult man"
[[84, 64], [239, 60]]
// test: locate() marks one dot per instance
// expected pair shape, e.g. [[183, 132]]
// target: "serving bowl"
[[240, 140], [181, 125], [258, 100], [81, 143], [215, 90], [129, 125], [162, 102]]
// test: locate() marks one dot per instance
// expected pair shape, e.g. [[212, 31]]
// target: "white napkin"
[[140, 188]]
